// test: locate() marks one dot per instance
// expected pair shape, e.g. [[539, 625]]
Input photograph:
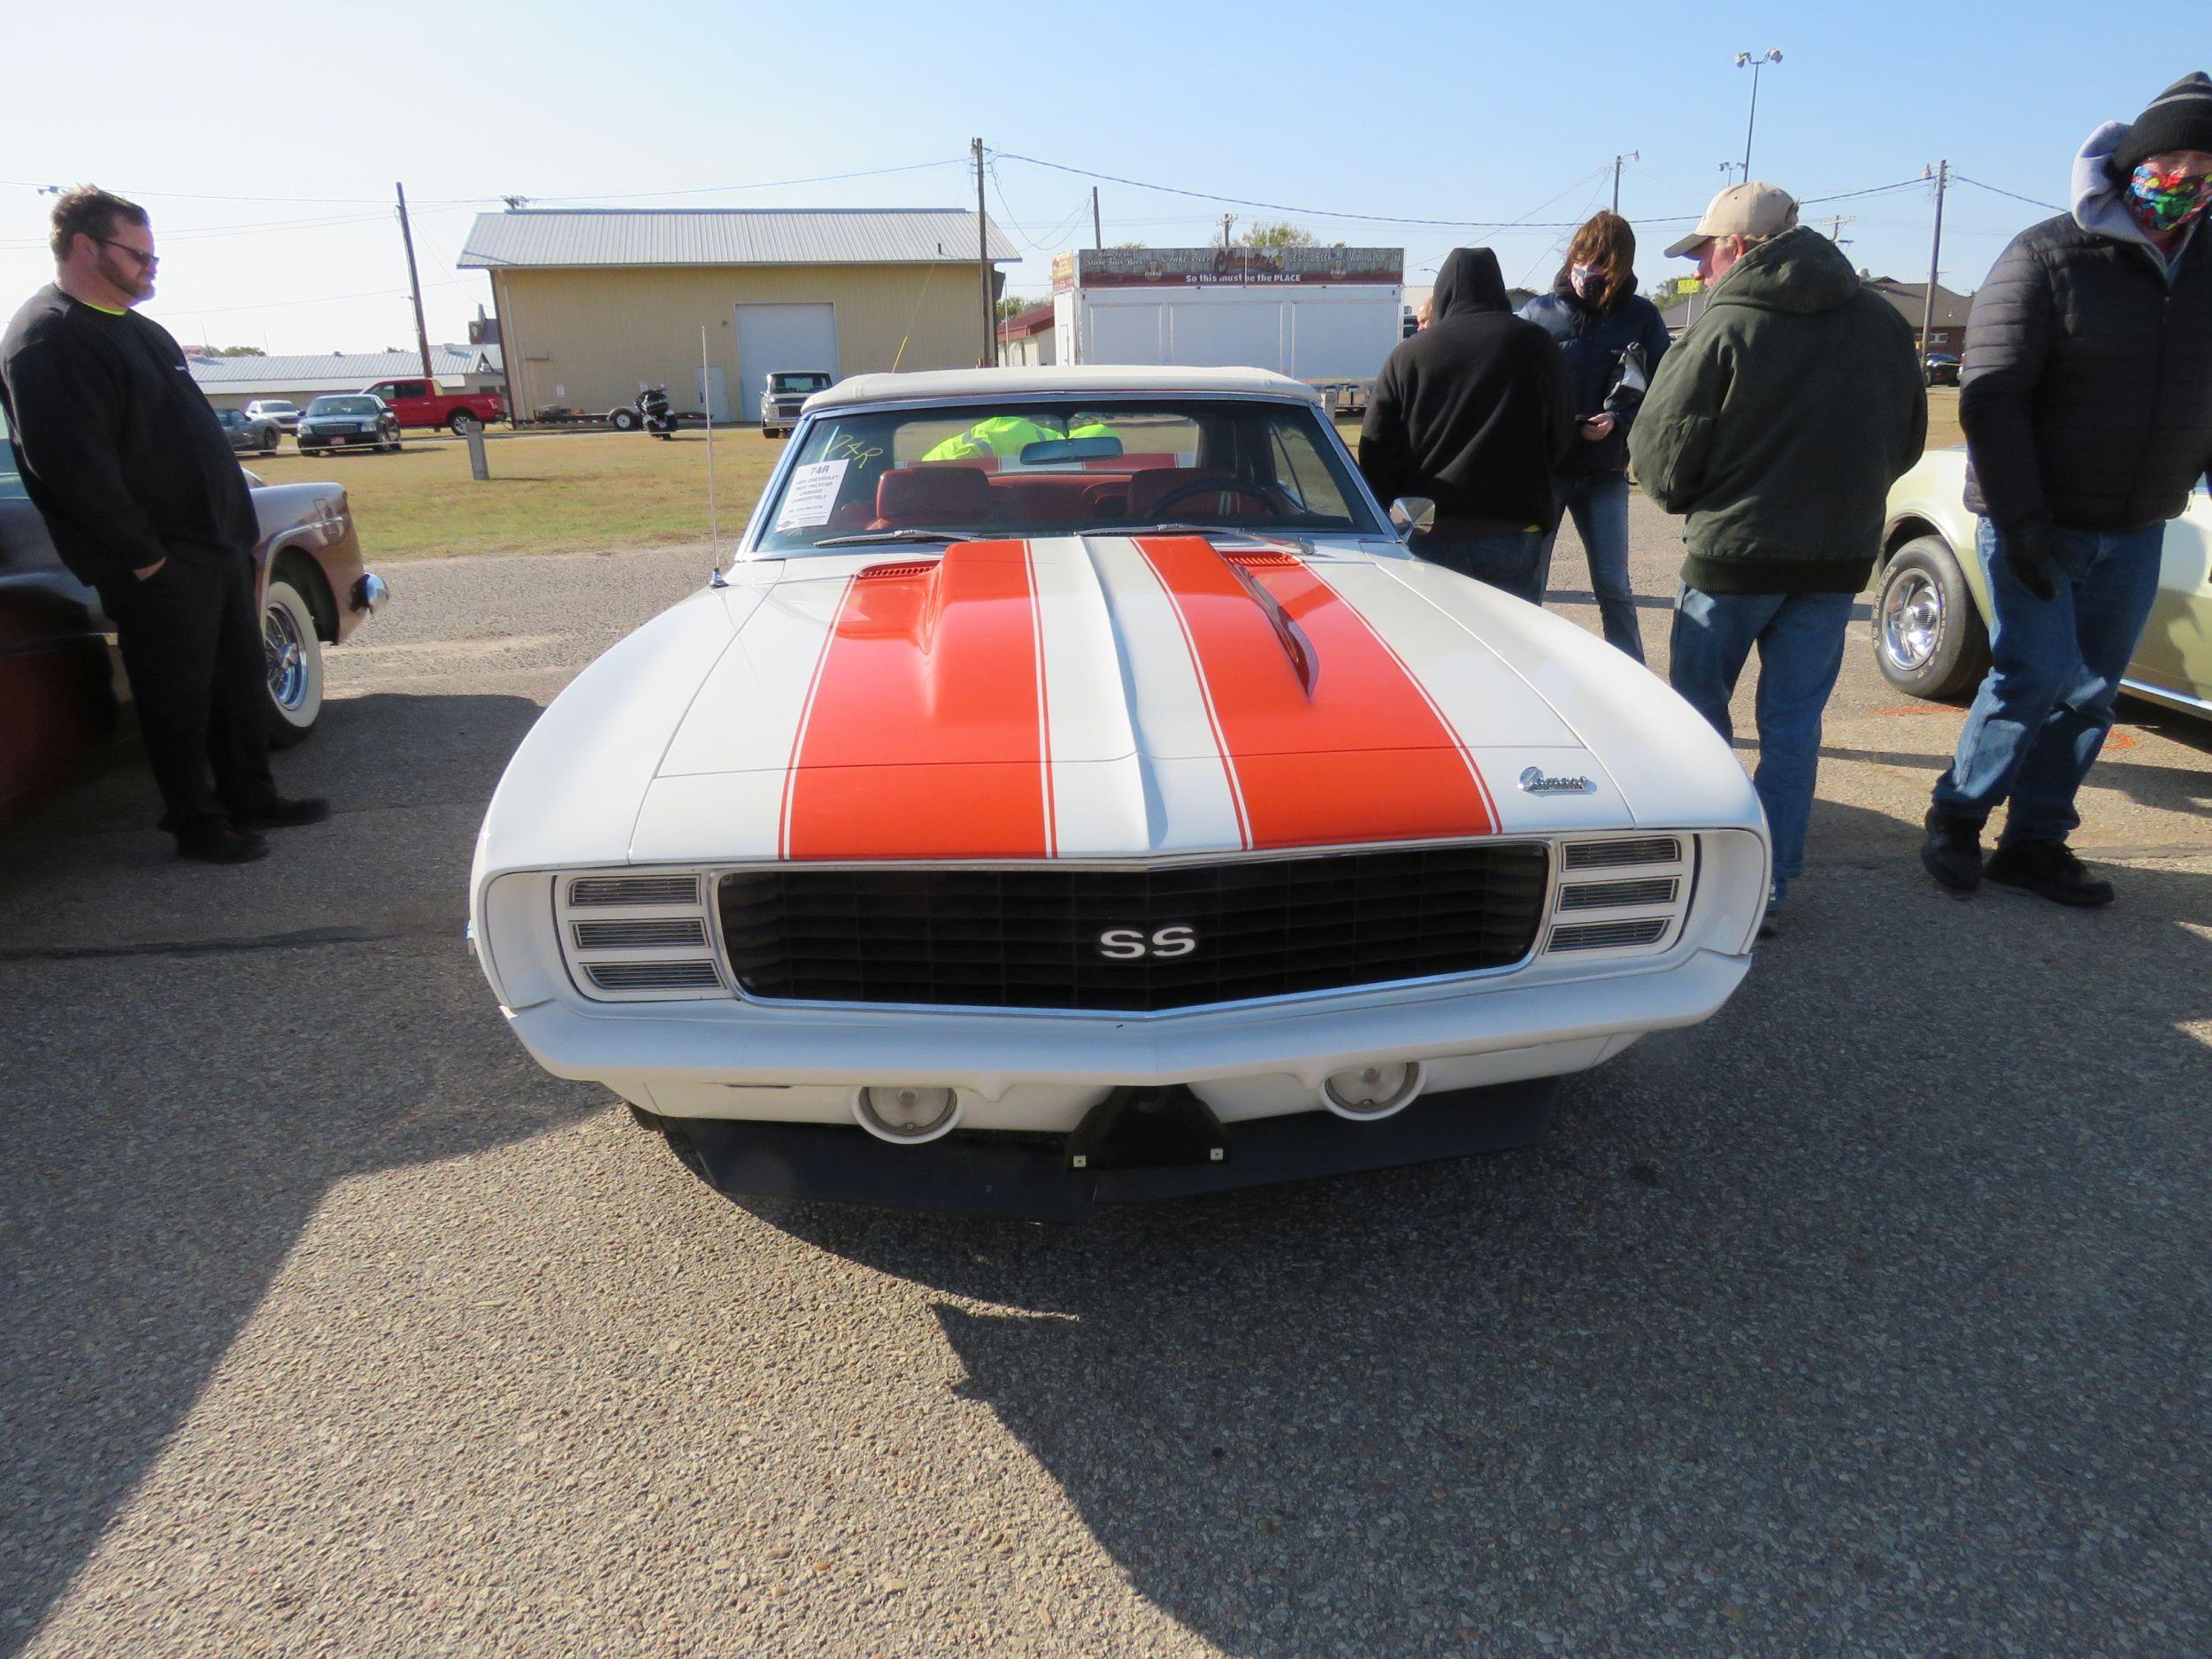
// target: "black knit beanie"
[[2179, 117]]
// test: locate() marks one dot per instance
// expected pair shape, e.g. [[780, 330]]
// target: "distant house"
[[233, 382], [1025, 340], [1947, 332]]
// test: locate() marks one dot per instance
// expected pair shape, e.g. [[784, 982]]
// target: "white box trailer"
[[1325, 315]]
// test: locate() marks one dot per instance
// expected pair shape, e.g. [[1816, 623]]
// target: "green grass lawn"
[[596, 492], [567, 491]]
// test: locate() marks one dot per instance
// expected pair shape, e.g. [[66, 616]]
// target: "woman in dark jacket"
[[1595, 314]]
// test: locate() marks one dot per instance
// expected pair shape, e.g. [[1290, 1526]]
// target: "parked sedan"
[[1942, 368], [1931, 629], [249, 434], [354, 420], [284, 412], [62, 686], [1110, 808]]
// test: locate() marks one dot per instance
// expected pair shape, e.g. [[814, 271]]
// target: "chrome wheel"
[[285, 654], [1912, 620]]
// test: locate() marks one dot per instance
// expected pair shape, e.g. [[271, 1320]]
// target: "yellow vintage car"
[[1932, 604]]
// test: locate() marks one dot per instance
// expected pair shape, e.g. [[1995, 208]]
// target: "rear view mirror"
[[1410, 513], [1044, 451]]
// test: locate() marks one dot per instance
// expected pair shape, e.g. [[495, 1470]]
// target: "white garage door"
[[773, 337]]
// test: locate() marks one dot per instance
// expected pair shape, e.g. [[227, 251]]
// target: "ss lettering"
[[1130, 944]]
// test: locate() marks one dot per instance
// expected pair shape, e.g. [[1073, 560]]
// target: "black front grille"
[[1032, 938]]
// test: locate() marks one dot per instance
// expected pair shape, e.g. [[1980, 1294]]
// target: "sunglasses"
[[146, 261]]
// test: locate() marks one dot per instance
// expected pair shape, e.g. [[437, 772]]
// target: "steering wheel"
[[1279, 503]]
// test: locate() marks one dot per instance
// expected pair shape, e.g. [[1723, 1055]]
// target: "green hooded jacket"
[[1779, 420]]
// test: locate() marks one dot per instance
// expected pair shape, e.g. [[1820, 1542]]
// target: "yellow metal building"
[[593, 305]]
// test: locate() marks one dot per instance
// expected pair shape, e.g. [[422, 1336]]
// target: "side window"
[[1299, 470], [383, 390], [10, 481], [414, 389]]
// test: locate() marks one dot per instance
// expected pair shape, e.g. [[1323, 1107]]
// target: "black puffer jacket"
[[2087, 395]]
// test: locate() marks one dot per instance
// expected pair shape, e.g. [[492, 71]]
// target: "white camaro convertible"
[[1074, 791]]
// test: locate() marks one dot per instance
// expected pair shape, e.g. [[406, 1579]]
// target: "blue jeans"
[[1509, 562], [1800, 638], [1598, 503], [2055, 664]]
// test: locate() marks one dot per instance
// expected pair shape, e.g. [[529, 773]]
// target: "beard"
[[127, 274]]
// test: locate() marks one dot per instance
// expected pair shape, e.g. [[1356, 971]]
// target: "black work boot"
[[282, 812], [222, 845], [1953, 851], [2050, 870]]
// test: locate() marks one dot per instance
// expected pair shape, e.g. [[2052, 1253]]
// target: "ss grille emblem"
[[1131, 944]]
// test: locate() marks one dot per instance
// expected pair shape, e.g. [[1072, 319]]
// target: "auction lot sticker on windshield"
[[812, 493]]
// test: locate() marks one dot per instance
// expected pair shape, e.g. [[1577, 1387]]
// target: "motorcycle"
[[657, 413]]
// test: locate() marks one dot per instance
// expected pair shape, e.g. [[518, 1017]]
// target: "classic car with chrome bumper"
[[1040, 861]]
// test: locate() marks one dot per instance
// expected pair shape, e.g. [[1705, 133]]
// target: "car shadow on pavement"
[[195, 1057], [1881, 1332]]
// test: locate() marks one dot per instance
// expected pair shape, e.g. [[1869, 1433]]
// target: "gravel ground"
[[1868, 1318]]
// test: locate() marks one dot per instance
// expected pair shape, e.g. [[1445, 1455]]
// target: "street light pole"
[[1772, 55]]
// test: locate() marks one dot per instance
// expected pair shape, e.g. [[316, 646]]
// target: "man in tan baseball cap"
[[1741, 214], [1775, 426]]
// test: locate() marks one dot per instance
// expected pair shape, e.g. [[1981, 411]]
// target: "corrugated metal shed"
[[355, 369], [540, 238]]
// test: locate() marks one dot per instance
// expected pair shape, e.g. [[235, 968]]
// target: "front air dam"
[[1038, 1178]]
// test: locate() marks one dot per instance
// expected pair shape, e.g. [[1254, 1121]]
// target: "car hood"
[[1100, 697]]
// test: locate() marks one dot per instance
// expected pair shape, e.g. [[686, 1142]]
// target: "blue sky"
[[266, 142]]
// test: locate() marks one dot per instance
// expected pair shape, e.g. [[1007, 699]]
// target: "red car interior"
[[958, 495]]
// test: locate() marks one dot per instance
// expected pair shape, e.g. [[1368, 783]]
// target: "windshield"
[[275, 406], [797, 382], [1047, 467], [343, 406], [230, 418]]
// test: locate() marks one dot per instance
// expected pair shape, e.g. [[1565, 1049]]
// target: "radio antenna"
[[706, 396]]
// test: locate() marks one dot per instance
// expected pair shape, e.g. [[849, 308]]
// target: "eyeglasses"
[[146, 261]]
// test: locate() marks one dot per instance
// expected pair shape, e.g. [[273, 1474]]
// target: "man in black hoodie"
[[1471, 413]]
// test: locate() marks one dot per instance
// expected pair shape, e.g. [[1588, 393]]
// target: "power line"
[[1961, 179], [765, 184]]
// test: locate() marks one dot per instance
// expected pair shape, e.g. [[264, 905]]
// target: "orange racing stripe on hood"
[[1327, 735], [924, 736]]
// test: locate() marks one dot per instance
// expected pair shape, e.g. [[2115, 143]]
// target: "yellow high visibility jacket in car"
[[1000, 436]]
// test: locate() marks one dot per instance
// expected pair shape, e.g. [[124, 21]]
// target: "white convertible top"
[[1086, 377]]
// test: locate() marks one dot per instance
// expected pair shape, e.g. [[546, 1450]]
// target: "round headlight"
[[1374, 1090], [907, 1113]]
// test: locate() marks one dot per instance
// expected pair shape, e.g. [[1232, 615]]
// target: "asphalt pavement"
[[1868, 1318]]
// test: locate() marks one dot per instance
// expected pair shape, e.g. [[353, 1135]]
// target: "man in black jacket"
[[2087, 398], [1471, 413], [136, 481]]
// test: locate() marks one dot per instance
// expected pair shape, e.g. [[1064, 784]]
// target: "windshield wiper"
[[1168, 528], [910, 533]]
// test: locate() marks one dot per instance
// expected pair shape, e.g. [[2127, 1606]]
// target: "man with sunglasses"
[[134, 476]]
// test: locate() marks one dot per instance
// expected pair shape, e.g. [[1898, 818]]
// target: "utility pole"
[[1098, 236], [1633, 155], [1935, 259], [1227, 219], [1746, 60], [983, 263], [422, 334], [1835, 228]]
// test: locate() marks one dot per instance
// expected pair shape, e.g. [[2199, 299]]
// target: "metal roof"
[[653, 236], [1083, 380], [338, 371]]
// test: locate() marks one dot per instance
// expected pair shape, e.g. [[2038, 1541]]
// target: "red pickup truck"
[[420, 404]]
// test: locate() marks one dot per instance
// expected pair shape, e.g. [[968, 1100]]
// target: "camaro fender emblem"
[[1536, 780], [1131, 944]]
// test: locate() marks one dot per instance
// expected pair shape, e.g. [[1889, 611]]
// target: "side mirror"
[[1410, 513]]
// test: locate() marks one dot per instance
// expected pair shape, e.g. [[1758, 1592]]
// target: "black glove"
[[2030, 546]]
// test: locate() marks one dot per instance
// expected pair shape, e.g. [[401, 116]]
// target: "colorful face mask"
[[1588, 280], [2167, 200]]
